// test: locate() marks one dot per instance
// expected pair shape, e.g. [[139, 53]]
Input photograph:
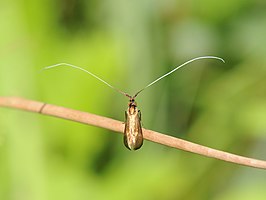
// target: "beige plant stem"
[[118, 126]]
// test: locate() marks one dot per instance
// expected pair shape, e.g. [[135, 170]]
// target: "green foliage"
[[129, 44]]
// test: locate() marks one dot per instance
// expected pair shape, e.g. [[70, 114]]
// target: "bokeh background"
[[129, 44]]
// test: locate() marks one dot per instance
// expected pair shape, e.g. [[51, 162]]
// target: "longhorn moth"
[[133, 137]]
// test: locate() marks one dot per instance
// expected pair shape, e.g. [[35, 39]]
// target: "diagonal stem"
[[118, 126]]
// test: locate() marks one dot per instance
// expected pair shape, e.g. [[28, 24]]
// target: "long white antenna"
[[80, 68], [178, 67]]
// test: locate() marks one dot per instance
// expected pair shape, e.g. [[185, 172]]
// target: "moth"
[[133, 136]]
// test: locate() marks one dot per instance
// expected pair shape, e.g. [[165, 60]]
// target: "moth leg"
[[139, 114], [125, 117]]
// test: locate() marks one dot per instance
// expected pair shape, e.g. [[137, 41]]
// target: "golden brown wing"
[[133, 138]]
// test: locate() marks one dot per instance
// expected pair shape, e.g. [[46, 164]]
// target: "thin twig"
[[118, 126]]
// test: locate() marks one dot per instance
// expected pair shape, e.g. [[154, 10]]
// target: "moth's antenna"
[[178, 67], [84, 70]]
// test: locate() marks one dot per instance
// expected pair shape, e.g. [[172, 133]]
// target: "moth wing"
[[133, 132]]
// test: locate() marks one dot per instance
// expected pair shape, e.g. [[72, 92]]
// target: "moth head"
[[132, 102]]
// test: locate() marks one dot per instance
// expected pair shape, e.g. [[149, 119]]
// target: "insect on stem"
[[133, 137]]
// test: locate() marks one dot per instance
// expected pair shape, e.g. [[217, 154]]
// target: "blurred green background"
[[129, 44]]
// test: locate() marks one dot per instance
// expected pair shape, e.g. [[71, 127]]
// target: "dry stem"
[[118, 126]]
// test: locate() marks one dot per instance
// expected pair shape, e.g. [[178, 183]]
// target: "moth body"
[[133, 137]]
